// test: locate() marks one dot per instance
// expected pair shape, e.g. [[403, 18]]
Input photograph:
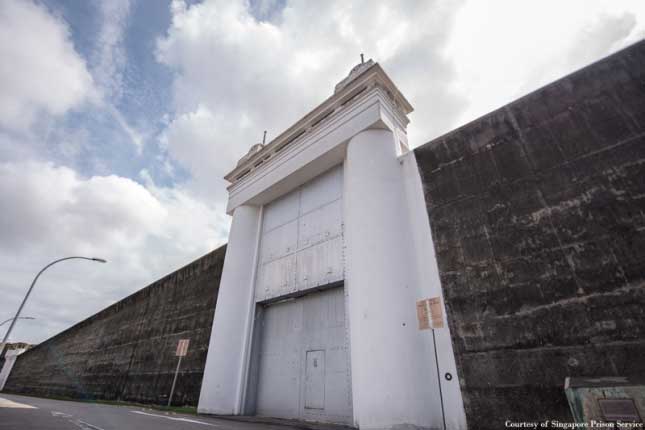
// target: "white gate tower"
[[329, 252]]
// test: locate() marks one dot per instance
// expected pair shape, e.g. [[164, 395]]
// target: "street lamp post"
[[14, 319]]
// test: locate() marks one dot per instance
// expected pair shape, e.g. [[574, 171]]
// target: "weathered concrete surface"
[[127, 351], [538, 217]]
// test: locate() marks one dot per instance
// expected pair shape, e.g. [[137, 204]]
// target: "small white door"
[[315, 380]]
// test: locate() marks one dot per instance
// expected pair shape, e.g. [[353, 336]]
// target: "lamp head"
[[100, 260]]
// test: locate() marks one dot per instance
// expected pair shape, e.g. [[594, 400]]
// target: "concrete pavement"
[[32, 413]]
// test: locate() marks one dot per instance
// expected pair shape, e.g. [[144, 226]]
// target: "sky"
[[119, 119]]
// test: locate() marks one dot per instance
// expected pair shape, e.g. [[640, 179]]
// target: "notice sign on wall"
[[182, 347], [429, 313]]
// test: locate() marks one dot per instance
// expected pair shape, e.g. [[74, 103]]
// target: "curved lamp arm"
[[20, 318]]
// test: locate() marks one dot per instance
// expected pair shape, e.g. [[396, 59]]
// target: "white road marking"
[[6, 403], [87, 426], [78, 423], [187, 420]]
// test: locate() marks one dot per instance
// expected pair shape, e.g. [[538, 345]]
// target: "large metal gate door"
[[301, 245], [304, 359]]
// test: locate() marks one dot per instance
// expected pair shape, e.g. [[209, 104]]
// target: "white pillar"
[[429, 285], [222, 386], [394, 377], [9, 360]]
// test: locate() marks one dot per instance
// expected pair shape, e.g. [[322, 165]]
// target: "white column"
[[394, 377], [221, 390], [429, 285], [9, 360]]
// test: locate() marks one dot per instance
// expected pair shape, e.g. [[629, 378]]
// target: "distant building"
[[16, 345], [8, 357]]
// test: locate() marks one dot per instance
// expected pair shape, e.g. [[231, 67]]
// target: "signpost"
[[430, 316], [182, 349]]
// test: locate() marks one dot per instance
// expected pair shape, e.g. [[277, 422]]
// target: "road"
[[31, 413]]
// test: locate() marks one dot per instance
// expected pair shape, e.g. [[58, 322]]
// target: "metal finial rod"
[[264, 138], [362, 59]]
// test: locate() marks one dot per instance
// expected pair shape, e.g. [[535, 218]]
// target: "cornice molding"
[[348, 95]]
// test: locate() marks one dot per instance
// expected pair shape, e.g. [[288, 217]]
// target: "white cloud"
[[237, 76], [504, 49], [143, 231], [109, 64], [41, 71], [192, 140], [110, 53], [454, 61]]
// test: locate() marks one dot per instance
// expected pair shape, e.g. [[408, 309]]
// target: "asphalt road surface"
[[31, 413]]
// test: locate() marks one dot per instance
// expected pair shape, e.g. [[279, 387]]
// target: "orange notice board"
[[429, 313], [182, 347], [422, 315]]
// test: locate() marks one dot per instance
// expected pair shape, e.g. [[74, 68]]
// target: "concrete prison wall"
[[538, 217], [127, 351]]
